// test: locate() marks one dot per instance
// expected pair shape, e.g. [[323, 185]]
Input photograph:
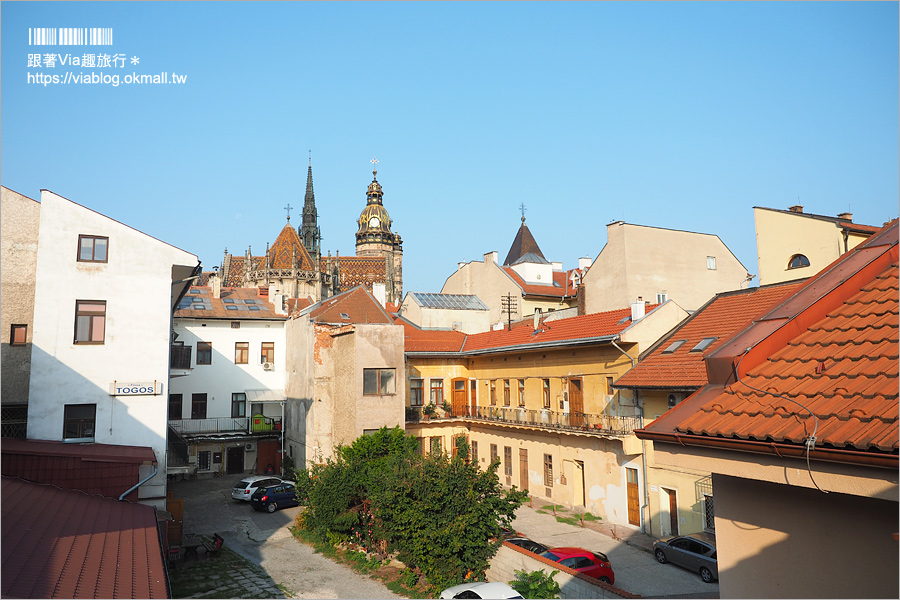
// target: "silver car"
[[244, 488], [691, 553]]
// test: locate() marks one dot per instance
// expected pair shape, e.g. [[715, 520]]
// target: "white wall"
[[136, 284]]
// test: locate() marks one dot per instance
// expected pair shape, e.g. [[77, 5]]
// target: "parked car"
[[244, 488], [592, 564], [526, 544], [480, 589], [691, 553], [274, 497]]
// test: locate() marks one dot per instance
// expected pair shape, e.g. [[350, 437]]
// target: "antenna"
[[508, 305]]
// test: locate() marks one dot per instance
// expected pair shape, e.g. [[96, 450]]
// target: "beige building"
[[803, 446], [792, 244], [539, 397], [345, 374], [19, 243], [660, 264]]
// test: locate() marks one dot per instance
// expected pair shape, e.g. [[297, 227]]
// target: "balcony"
[[257, 424], [544, 419]]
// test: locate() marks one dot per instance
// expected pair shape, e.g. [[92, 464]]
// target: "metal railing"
[[181, 357], [585, 422], [255, 424]]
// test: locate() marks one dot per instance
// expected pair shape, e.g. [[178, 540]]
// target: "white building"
[[226, 412], [104, 298]]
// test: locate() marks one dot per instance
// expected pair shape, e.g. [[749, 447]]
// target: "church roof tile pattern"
[[361, 270], [723, 317], [288, 251], [67, 544]]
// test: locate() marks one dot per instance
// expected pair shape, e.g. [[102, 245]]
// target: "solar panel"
[[449, 301]]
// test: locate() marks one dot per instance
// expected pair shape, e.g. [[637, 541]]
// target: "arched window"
[[797, 261]]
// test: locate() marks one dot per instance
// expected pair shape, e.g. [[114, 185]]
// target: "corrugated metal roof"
[[451, 301], [67, 544]]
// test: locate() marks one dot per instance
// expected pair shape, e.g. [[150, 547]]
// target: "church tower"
[[375, 238], [309, 230]]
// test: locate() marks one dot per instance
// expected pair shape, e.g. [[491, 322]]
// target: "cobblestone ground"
[[226, 575]]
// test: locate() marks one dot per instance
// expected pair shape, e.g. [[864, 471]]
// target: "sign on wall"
[[145, 388]]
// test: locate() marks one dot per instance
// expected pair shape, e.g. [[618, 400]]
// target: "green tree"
[[535, 584]]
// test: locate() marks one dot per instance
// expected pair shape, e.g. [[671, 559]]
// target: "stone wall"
[[510, 558]]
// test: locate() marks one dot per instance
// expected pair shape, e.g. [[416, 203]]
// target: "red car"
[[592, 564]]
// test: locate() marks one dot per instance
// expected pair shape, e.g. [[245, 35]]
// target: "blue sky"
[[676, 115]]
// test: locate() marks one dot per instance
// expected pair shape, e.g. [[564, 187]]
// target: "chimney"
[[637, 310], [460, 265], [278, 301], [846, 216], [537, 319], [491, 256], [797, 208], [579, 299], [584, 262], [216, 284], [557, 266], [378, 290]]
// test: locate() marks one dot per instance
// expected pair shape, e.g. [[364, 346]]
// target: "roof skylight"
[[704, 344]]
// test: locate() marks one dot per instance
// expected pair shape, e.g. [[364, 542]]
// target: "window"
[[235, 324], [17, 335], [90, 321], [506, 392], [704, 344], [198, 406], [435, 444], [267, 353], [241, 353], [203, 460], [474, 453], [674, 346], [548, 471], [204, 353], [92, 248], [421, 446], [378, 381], [711, 263], [661, 297], [709, 514], [609, 386], [521, 392], [507, 460], [175, 407], [437, 391], [416, 392], [78, 422], [798, 261], [493, 453], [493, 393], [546, 393], [238, 405]]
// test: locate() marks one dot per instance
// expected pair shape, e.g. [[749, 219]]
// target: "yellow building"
[[792, 244], [539, 397]]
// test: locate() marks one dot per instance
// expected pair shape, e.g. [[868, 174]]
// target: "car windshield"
[[551, 556], [240, 485]]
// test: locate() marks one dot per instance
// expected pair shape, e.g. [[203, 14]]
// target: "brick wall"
[[510, 558]]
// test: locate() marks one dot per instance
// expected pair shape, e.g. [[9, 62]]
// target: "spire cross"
[[523, 209], [374, 162], [288, 209]]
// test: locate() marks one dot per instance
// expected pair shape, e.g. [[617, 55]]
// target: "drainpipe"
[[613, 342], [140, 483], [647, 521]]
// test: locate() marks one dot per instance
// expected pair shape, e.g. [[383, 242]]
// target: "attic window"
[[231, 307], [798, 261], [345, 316], [624, 319], [228, 300], [704, 344], [249, 301], [253, 308], [674, 346]]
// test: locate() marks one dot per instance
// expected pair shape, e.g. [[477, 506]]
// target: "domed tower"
[[374, 238]]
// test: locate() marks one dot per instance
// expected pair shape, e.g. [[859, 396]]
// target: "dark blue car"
[[274, 497]]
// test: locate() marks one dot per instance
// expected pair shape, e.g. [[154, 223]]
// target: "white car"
[[244, 488], [480, 589]]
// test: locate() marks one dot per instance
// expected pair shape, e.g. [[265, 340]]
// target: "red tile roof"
[[105, 469], [361, 270], [358, 304], [574, 330], [217, 308], [560, 288], [722, 317], [823, 363], [66, 544], [288, 251]]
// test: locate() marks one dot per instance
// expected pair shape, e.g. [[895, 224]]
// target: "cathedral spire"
[[309, 231]]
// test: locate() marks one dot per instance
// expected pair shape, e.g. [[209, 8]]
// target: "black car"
[[274, 497], [526, 544]]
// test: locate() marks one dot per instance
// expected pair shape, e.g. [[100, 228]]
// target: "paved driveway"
[[264, 539]]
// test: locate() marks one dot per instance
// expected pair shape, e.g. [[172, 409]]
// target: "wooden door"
[[234, 460], [576, 402], [460, 397], [673, 511], [523, 469], [473, 398], [634, 497]]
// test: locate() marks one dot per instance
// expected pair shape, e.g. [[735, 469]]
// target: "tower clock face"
[[374, 222]]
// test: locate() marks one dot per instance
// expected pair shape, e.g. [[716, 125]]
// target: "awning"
[[265, 395]]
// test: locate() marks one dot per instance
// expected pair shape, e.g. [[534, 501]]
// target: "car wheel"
[[661, 557], [604, 579], [706, 574], [271, 507]]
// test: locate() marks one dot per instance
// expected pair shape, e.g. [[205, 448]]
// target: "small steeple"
[[309, 231], [523, 244]]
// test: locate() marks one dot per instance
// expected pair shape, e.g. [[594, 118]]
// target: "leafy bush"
[[536, 584]]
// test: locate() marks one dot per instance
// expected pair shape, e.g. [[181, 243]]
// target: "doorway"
[[523, 469], [634, 497], [234, 460], [459, 401], [668, 512], [576, 402], [578, 483]]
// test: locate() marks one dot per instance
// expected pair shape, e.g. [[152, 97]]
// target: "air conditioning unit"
[[267, 366]]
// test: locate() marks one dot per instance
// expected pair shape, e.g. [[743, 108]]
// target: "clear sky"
[[675, 115]]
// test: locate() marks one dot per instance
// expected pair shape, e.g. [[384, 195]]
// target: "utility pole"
[[508, 305]]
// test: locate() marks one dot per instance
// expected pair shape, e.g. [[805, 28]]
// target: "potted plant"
[[429, 411]]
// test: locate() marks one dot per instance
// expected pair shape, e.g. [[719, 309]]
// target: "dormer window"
[[798, 261]]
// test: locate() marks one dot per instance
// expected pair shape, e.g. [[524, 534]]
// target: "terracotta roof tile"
[[233, 303], [722, 318], [558, 289], [357, 304], [289, 250], [66, 544]]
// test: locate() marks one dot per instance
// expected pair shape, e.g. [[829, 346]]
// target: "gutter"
[[521, 347], [142, 482], [781, 450]]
